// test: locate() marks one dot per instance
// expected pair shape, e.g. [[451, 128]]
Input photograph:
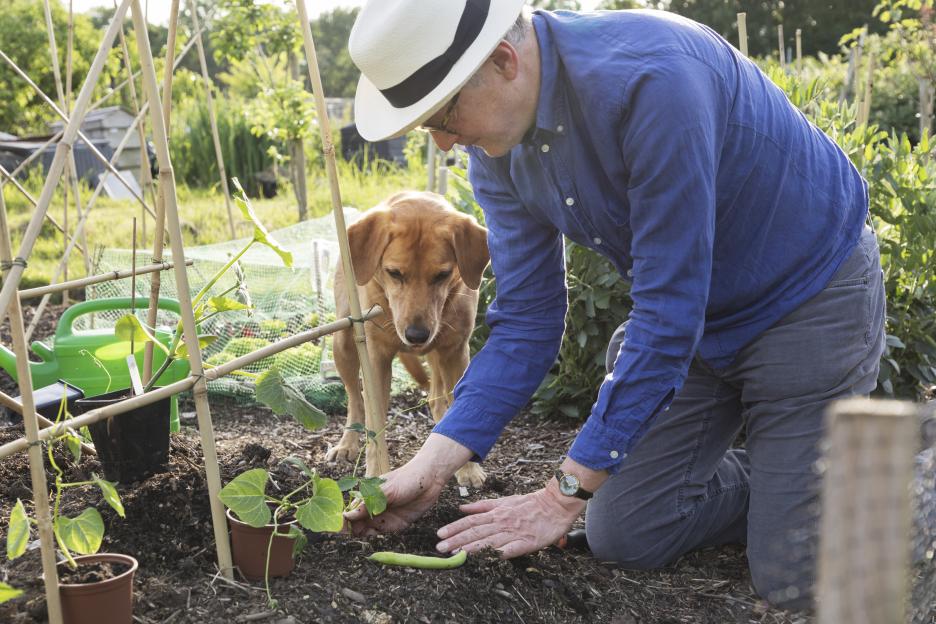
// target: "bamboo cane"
[[32, 200], [212, 118], [377, 458], [799, 50], [11, 282], [97, 279], [36, 154], [200, 389], [781, 46], [12, 404], [36, 466], [742, 33], [157, 394]]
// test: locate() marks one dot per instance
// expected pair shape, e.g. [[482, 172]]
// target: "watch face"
[[569, 485]]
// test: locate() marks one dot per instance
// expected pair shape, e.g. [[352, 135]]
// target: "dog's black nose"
[[417, 334]]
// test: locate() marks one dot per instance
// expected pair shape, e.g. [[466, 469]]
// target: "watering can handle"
[[68, 317]]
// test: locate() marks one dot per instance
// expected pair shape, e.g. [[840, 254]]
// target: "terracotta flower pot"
[[249, 549], [102, 602]]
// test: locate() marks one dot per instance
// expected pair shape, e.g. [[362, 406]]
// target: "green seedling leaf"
[[203, 341], [8, 593], [359, 427], [109, 492], [283, 398], [373, 495], [82, 534], [73, 443], [323, 512], [226, 304], [129, 327], [298, 463], [18, 531], [245, 497], [299, 545], [346, 483], [260, 232]]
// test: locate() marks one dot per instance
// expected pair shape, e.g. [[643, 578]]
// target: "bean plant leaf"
[[82, 534], [284, 398], [18, 531], [8, 593], [323, 512], [346, 483], [129, 327], [203, 341], [245, 496], [298, 463], [226, 304], [109, 492], [260, 232], [300, 538], [373, 495], [73, 443], [359, 427]]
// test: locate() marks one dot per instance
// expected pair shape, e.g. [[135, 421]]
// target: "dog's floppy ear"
[[471, 250], [368, 237]]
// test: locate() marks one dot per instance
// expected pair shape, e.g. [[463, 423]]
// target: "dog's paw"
[[471, 474], [346, 450]]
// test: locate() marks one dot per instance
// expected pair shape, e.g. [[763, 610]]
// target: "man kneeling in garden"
[[756, 284]]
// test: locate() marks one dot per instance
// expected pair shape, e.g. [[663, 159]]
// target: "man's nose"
[[444, 140]]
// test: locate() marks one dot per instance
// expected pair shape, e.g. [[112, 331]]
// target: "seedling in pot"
[[80, 534]]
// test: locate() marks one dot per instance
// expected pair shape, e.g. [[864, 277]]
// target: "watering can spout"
[[41, 372]]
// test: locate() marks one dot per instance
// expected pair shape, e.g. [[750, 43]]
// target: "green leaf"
[[296, 533], [74, 446], [109, 492], [260, 232], [18, 531], [203, 341], [346, 483], [283, 398], [226, 304], [245, 496], [298, 463], [8, 593], [82, 534], [129, 327], [359, 427], [323, 512], [373, 494]]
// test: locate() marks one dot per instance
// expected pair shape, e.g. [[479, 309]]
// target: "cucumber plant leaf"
[[203, 341], [8, 593], [283, 398], [109, 492], [260, 235], [244, 495], [323, 512], [373, 495], [82, 534], [129, 327], [17, 531]]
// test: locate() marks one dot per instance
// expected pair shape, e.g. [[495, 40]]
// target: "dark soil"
[[168, 529], [92, 572]]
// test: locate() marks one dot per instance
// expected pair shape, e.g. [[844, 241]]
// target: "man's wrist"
[[443, 456], [589, 480]]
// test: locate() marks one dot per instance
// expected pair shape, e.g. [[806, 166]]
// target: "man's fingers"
[[358, 513], [468, 537], [516, 548], [488, 504]]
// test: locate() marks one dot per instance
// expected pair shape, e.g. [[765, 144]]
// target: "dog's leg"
[[447, 367], [415, 368], [348, 365]]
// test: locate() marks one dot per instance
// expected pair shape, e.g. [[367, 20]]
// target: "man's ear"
[[368, 237], [506, 60], [471, 251]]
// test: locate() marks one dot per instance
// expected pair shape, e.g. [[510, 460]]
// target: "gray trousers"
[[683, 487]]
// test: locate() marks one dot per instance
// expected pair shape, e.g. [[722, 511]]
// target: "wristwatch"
[[569, 485]]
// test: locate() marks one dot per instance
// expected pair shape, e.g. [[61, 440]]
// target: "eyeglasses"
[[448, 116]]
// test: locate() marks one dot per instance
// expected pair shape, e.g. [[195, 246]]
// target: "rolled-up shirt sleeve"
[[672, 130], [526, 317]]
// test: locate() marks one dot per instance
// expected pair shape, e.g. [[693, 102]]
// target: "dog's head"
[[418, 249]]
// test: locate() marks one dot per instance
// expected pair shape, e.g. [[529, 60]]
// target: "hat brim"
[[377, 119]]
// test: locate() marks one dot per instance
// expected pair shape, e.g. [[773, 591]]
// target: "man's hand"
[[413, 488], [515, 525]]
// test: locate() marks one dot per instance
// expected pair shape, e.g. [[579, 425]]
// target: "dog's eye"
[[441, 277], [395, 274]]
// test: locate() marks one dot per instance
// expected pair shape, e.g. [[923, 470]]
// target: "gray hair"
[[520, 28]]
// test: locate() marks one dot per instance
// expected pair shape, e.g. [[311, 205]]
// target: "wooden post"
[[742, 33], [200, 389], [377, 458], [36, 465], [864, 551], [431, 152], [799, 50], [865, 113], [781, 45], [926, 105]]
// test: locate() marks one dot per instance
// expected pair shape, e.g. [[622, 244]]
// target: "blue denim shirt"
[[661, 147]]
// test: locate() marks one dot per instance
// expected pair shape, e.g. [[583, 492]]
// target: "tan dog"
[[421, 261]]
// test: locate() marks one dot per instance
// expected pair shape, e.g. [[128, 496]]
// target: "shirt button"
[[614, 454], [596, 240], [630, 273], [544, 148], [560, 128], [570, 201]]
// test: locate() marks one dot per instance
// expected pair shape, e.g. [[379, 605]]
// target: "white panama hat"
[[416, 54]]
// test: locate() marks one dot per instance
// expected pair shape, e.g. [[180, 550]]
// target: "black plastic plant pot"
[[133, 445]]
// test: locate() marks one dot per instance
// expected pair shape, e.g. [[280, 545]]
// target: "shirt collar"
[[550, 108]]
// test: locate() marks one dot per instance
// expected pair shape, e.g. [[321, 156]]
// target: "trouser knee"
[[631, 544], [787, 580]]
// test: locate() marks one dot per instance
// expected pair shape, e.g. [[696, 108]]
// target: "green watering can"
[[65, 360]]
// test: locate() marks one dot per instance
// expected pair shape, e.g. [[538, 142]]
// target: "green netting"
[[284, 301]]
